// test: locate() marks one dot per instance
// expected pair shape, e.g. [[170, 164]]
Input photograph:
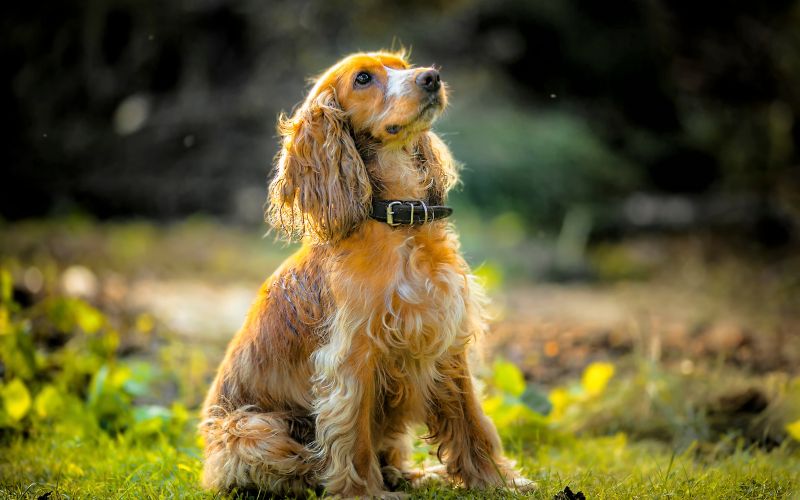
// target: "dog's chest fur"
[[402, 299], [407, 290]]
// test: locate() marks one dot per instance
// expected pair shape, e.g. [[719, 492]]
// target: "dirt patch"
[[553, 331]]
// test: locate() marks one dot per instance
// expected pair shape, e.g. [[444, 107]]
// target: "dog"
[[364, 332]]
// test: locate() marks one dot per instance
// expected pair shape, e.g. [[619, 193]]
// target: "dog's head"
[[321, 187]]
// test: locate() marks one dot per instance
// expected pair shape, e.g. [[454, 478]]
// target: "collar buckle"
[[390, 213]]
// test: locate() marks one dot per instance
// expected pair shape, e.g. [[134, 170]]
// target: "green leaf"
[[89, 319], [97, 385], [139, 376], [16, 399], [6, 286], [150, 412], [508, 378], [48, 402], [5, 322], [536, 400], [150, 420], [67, 314]]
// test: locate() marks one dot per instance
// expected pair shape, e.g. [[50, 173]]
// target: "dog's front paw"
[[427, 475], [396, 479], [508, 478], [392, 495], [393, 477], [383, 495], [521, 484]]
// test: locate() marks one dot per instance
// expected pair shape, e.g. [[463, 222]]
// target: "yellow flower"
[[16, 399], [560, 399], [794, 429], [596, 377]]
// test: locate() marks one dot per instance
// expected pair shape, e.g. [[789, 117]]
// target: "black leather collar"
[[407, 212]]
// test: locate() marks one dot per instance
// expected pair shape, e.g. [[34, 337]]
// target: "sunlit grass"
[[600, 467], [98, 466], [198, 248]]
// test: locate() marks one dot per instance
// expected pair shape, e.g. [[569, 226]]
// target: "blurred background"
[[634, 115], [631, 190]]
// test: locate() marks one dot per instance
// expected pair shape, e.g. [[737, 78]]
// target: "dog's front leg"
[[345, 401], [468, 442]]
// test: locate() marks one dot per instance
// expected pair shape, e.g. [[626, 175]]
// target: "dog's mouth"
[[428, 111]]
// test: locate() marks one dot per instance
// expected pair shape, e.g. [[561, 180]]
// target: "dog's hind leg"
[[246, 448]]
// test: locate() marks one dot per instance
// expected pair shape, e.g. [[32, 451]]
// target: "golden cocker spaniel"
[[363, 333]]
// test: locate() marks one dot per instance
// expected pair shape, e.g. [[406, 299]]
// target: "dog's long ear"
[[438, 164], [320, 188]]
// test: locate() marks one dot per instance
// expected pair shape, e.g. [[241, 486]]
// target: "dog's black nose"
[[429, 80]]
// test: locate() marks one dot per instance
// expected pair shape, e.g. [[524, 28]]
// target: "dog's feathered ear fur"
[[321, 188], [439, 166]]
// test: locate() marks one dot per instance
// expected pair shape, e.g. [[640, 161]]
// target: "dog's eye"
[[363, 78]]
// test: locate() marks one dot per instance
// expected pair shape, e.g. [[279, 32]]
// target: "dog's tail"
[[248, 448]]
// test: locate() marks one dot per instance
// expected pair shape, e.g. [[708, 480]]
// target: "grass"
[[194, 247], [600, 467], [98, 467]]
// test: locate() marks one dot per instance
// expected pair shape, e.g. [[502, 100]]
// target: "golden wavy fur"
[[363, 333]]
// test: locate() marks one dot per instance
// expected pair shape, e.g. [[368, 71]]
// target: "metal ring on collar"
[[411, 204]]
